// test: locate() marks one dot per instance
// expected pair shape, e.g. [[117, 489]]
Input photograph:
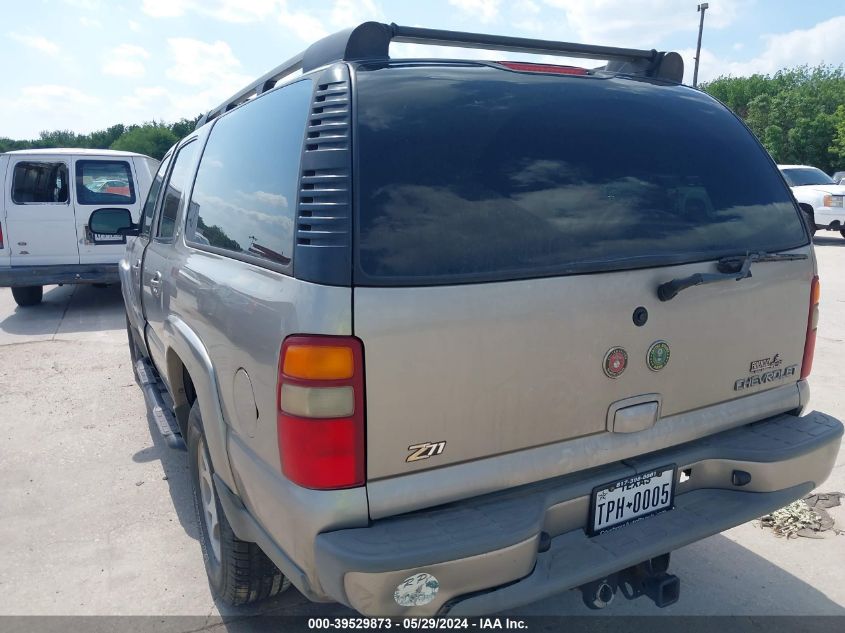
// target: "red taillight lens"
[[812, 326], [544, 68], [321, 411]]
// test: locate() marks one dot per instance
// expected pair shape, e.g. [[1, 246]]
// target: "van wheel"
[[842, 232], [238, 571], [26, 296]]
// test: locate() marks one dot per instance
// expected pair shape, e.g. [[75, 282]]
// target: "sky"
[[84, 65]]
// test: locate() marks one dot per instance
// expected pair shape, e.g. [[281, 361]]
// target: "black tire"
[[811, 222], [842, 232], [26, 296], [243, 573]]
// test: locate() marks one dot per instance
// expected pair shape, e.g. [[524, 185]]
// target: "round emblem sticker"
[[658, 355], [615, 362], [416, 591]]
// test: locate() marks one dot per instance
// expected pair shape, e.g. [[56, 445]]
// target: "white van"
[[47, 197]]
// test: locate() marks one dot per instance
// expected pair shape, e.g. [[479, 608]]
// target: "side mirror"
[[112, 222]]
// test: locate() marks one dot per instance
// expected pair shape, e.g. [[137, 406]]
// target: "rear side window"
[[152, 197], [180, 180], [37, 182], [479, 174], [104, 182], [244, 197]]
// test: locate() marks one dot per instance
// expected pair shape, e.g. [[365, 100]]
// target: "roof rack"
[[371, 40]]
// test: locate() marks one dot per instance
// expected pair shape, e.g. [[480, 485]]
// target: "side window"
[[36, 182], [104, 182], [245, 193], [152, 197], [180, 180]]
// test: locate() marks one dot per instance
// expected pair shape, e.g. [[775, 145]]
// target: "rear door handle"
[[155, 283], [137, 264]]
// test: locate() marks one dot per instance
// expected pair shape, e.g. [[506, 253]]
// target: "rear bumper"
[[484, 554], [59, 274]]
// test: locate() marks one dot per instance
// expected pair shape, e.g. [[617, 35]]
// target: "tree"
[[183, 127], [152, 139], [794, 112]]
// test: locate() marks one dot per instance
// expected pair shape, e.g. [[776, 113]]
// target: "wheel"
[[842, 232], [28, 295], [811, 222], [238, 571]]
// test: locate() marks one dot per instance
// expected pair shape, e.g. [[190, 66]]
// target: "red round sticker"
[[615, 362]]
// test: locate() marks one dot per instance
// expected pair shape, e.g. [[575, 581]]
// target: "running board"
[[162, 414]]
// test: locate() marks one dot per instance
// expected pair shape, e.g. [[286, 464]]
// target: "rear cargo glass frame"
[[654, 260]]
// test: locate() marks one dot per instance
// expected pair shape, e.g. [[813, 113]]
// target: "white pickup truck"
[[818, 195], [46, 197]]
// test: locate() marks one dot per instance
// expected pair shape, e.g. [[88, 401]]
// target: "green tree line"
[[153, 138], [798, 114]]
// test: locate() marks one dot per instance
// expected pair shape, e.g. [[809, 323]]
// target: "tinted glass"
[[104, 182], [798, 177], [152, 197], [484, 174], [37, 182], [180, 180], [245, 192]]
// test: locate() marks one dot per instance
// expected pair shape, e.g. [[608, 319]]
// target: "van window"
[[152, 197], [180, 180], [39, 182], [516, 175], [104, 182], [245, 193]]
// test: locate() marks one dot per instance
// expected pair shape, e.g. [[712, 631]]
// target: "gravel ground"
[[97, 517]]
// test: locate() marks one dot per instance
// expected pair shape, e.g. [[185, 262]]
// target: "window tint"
[[104, 182], [513, 175], [180, 180], [245, 192], [152, 197], [36, 182], [798, 177]]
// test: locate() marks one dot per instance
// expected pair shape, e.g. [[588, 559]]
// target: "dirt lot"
[[97, 515]]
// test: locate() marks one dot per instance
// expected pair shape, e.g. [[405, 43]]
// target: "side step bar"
[[162, 414]]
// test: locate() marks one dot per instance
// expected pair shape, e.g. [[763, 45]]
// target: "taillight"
[[321, 411], [544, 68], [812, 326]]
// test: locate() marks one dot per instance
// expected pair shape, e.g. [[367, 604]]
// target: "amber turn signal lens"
[[319, 362]]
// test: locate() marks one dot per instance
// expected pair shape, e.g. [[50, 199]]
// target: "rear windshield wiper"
[[730, 268]]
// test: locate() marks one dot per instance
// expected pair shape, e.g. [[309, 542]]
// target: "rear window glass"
[[40, 182], [104, 182], [483, 174]]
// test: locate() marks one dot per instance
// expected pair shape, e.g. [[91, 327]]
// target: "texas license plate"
[[627, 500]]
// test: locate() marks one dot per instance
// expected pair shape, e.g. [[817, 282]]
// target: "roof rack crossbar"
[[415, 35], [371, 40]]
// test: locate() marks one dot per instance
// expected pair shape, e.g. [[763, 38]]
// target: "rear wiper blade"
[[731, 268]]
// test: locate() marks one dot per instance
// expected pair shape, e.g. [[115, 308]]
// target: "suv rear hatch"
[[512, 229]]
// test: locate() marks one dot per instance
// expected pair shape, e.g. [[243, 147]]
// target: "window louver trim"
[[324, 220]]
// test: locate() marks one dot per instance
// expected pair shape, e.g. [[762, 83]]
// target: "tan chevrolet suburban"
[[451, 336]]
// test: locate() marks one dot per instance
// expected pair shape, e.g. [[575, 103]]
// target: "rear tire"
[[842, 232], [238, 571], [26, 296]]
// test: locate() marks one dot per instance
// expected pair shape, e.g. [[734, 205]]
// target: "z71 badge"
[[424, 450], [756, 380]]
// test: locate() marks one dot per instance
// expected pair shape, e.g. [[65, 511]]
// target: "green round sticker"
[[658, 355]]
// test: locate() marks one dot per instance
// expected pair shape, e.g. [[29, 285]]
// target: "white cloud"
[[639, 22], [241, 11], [199, 63], [302, 24], [821, 43], [37, 42], [346, 13], [90, 23], [134, 26], [165, 8], [126, 60], [484, 10]]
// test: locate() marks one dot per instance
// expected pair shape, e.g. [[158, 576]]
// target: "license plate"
[[100, 237], [627, 500]]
